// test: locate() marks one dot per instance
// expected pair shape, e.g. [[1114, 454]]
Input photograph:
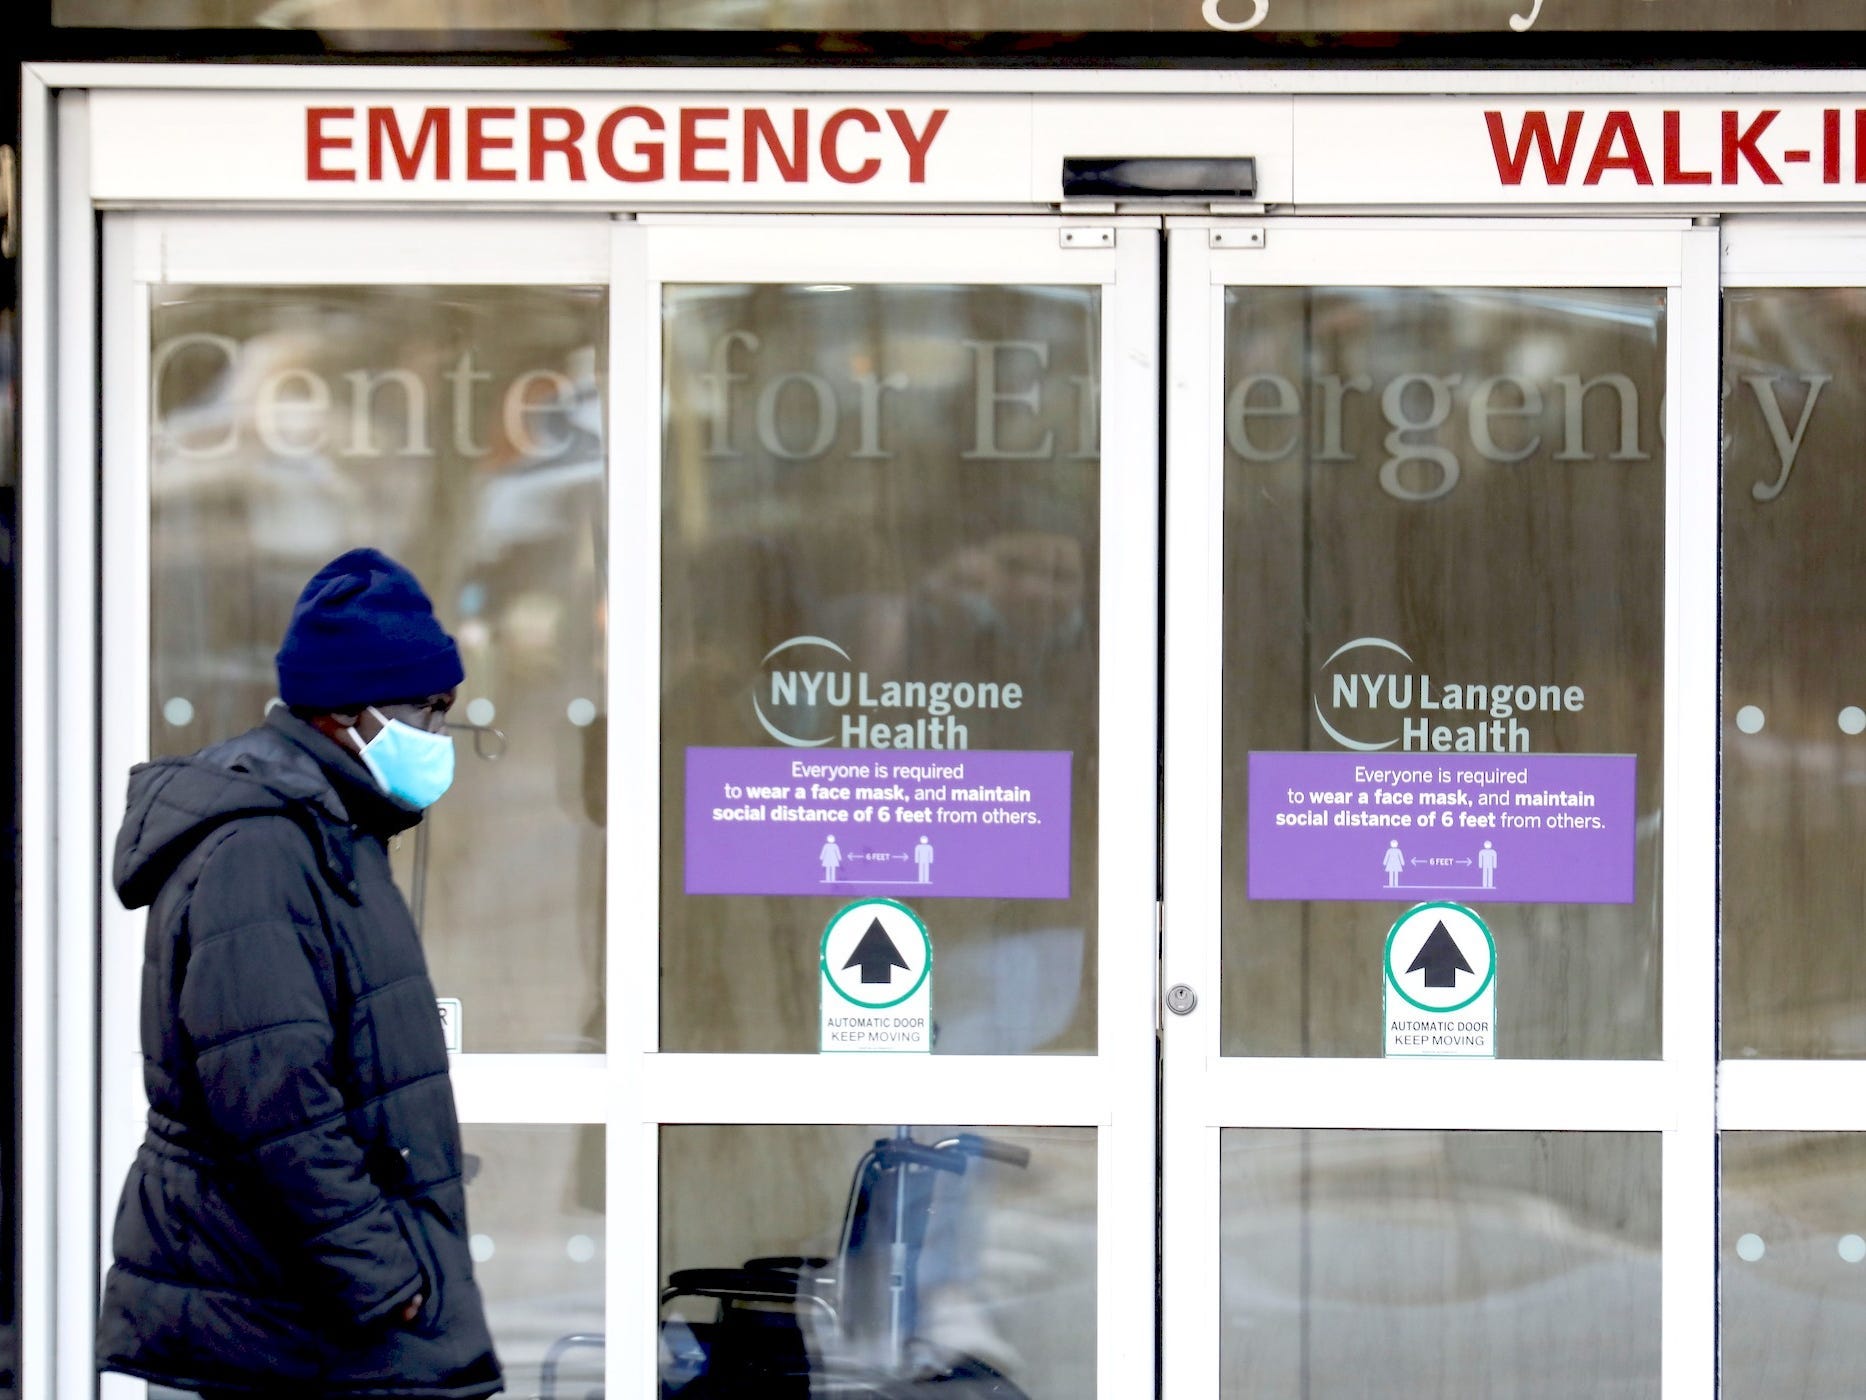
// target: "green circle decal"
[[1386, 957], [926, 944]]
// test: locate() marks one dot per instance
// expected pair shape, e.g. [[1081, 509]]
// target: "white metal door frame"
[[1205, 1092], [1112, 1090]]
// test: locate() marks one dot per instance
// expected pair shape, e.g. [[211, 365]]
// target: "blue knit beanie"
[[362, 633]]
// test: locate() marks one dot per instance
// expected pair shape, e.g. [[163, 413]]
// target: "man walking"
[[294, 1226]]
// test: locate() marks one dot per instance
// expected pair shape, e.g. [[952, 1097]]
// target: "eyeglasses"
[[429, 714]]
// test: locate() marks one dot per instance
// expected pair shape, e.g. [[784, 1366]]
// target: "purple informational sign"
[[911, 823], [1515, 828]]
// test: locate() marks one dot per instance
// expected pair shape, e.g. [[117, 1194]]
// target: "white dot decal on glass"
[[480, 710], [178, 711], [582, 712], [1749, 719], [483, 1248], [1750, 1248], [580, 1248], [1852, 1248], [1852, 720]]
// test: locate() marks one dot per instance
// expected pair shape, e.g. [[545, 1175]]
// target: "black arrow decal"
[[1440, 958], [877, 956]]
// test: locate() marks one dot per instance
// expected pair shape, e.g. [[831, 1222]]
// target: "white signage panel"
[[1313, 151], [516, 147], [1552, 150]]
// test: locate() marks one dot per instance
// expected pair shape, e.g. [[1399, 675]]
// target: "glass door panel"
[[881, 531], [1794, 762], [1440, 1263], [1424, 670], [460, 430], [906, 554], [1001, 1256], [282, 390], [1792, 1257], [1444, 541]]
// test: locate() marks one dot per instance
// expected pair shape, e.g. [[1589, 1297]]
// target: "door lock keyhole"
[[1181, 999]]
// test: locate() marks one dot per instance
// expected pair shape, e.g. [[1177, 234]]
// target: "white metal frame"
[[142, 251], [59, 845], [1805, 1096], [1112, 1090], [61, 836], [1206, 1092]]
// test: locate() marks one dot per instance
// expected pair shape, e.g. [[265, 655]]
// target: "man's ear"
[[337, 726]]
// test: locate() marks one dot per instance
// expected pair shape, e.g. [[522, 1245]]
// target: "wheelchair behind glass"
[[794, 1327]]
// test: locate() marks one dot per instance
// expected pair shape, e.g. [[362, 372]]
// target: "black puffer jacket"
[[300, 1181]]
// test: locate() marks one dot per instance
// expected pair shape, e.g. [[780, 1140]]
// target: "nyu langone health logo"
[[809, 693], [1368, 693]]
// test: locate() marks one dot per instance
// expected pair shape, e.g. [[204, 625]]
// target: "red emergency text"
[[1618, 145], [629, 144]]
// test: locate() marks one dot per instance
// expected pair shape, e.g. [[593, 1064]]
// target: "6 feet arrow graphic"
[[1439, 957]]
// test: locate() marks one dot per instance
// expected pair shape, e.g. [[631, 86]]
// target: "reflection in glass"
[[1475, 477], [776, 1250], [535, 1207], [1794, 764], [911, 474], [459, 429], [1793, 1266], [1440, 1265]]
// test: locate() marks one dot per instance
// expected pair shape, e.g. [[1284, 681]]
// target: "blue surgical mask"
[[410, 765]]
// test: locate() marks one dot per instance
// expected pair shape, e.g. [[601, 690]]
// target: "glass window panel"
[[1794, 759], [1000, 1278], [902, 483], [1793, 1266], [535, 1209], [1440, 1265], [536, 1216], [460, 429], [1477, 478]]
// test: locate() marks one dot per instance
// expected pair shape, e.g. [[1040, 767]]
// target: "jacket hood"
[[278, 769]]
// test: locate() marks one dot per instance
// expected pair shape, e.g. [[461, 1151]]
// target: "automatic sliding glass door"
[[1439, 889]]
